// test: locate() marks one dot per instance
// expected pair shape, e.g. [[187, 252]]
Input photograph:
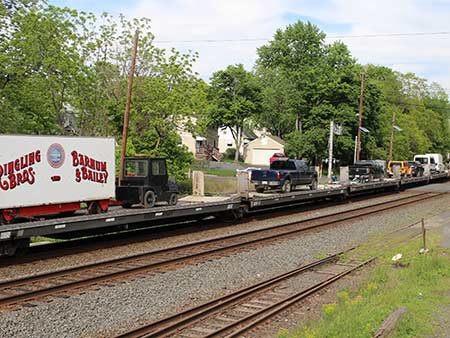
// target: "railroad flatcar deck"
[[257, 200], [119, 218], [114, 218]]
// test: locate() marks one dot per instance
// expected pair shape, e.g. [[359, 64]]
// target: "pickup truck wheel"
[[149, 199], [287, 187], [173, 199], [313, 185], [260, 189]]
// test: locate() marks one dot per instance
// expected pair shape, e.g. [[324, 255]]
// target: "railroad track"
[[62, 283], [237, 313]]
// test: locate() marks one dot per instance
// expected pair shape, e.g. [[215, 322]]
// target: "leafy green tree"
[[236, 96]]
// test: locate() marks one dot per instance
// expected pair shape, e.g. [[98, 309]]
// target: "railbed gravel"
[[110, 310], [79, 259]]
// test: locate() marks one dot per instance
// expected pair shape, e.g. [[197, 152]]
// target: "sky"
[[186, 24]]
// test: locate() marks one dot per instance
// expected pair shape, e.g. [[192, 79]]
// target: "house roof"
[[276, 139], [272, 137]]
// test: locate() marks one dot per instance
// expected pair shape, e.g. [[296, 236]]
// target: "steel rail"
[[170, 324], [67, 285]]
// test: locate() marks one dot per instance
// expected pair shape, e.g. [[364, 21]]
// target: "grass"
[[220, 172], [226, 185], [421, 286]]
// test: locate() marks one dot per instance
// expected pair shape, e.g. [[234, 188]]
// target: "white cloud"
[[176, 20]]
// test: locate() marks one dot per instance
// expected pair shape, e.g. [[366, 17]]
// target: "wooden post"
[[389, 324], [198, 183], [343, 175], [126, 117], [243, 184], [424, 231]]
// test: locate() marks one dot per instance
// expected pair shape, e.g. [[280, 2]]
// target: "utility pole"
[[361, 98], [330, 151], [391, 146], [126, 117]]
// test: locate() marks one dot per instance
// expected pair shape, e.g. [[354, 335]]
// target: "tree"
[[236, 96], [297, 56]]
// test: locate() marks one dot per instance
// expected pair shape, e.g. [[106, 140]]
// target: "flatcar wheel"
[[94, 208], [149, 199], [173, 199]]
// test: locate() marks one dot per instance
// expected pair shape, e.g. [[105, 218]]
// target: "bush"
[[229, 154], [185, 186]]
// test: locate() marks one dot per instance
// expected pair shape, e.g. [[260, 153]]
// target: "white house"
[[226, 140], [204, 147], [261, 149]]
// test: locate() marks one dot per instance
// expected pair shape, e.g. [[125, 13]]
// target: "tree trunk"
[[238, 142], [298, 123]]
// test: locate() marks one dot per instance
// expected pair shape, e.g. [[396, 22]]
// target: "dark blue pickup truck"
[[284, 175]]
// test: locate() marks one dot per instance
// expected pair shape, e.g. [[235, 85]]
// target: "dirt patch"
[[443, 322]]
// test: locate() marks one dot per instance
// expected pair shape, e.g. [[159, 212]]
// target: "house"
[[259, 151], [226, 140], [203, 147]]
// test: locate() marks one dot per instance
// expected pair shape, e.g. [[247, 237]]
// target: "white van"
[[426, 160], [438, 162]]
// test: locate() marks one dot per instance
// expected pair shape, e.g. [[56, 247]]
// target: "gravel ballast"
[[121, 307]]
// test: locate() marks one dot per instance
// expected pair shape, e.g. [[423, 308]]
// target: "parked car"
[[405, 169], [277, 156], [417, 168], [366, 171], [284, 175]]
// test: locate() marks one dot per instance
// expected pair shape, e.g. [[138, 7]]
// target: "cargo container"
[[54, 174]]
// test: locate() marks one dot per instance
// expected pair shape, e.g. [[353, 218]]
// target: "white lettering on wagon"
[[158, 214], [112, 219], [60, 226]]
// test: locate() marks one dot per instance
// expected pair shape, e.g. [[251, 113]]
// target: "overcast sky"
[[178, 20]]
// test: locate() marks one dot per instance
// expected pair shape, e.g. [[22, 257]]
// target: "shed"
[[260, 150]]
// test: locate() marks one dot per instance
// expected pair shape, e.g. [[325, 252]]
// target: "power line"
[[328, 37]]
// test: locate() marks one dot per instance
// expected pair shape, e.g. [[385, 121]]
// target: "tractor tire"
[[173, 199], [149, 199]]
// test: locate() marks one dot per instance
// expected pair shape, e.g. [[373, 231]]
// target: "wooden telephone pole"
[[361, 101], [126, 116]]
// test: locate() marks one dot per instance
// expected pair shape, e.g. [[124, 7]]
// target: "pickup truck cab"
[[146, 182], [284, 175], [365, 171]]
